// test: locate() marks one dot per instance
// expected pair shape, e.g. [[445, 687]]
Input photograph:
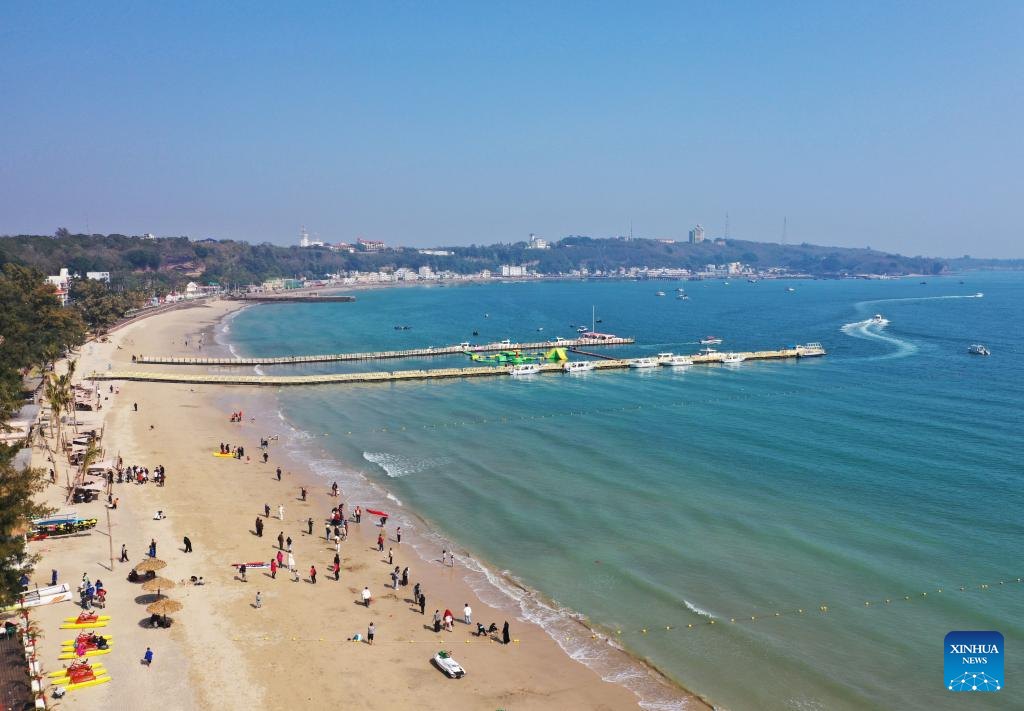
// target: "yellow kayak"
[[72, 642], [90, 653], [91, 682], [83, 626], [64, 672], [100, 618], [223, 454]]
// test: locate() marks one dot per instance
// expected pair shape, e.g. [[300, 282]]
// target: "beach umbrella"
[[149, 564], [164, 607], [157, 584]]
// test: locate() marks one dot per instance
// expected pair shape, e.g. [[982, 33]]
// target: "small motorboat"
[[978, 349], [678, 361], [683, 297], [789, 288], [577, 366], [659, 293], [880, 320], [710, 340], [582, 329], [733, 358], [643, 363], [451, 668], [524, 369], [979, 295]]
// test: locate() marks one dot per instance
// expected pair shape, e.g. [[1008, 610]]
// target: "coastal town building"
[[697, 235], [370, 245], [61, 282], [538, 242], [98, 276], [511, 270]]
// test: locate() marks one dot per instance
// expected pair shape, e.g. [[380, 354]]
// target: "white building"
[[98, 276], [61, 282], [697, 235], [511, 270], [538, 242], [426, 272]]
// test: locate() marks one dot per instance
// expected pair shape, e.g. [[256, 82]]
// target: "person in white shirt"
[[467, 614]]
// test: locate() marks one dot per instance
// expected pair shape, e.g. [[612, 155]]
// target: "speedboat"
[[660, 293], [577, 366], [733, 358], [678, 361], [582, 329], [789, 288], [979, 295], [978, 349], [683, 297], [710, 340], [524, 369], [880, 320], [643, 363], [451, 668]]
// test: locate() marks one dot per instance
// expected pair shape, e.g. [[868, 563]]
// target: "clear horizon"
[[889, 127]]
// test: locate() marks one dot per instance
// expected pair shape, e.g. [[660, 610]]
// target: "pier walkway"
[[400, 375], [378, 355]]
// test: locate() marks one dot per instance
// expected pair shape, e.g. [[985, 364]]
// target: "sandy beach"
[[294, 650]]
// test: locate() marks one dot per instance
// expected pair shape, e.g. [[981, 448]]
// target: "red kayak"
[[377, 513]]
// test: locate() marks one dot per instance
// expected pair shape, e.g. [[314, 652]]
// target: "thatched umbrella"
[[164, 607], [157, 584], [150, 564]]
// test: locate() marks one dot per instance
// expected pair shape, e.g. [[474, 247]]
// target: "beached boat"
[[524, 369], [41, 596], [678, 361], [733, 358], [978, 349], [451, 668], [643, 363], [710, 340], [577, 366]]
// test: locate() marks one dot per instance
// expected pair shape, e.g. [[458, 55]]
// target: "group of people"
[[237, 452], [88, 593], [138, 475]]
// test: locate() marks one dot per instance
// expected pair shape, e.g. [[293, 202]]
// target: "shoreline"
[[503, 584], [222, 651]]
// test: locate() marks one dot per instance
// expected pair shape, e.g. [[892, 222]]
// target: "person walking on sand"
[[152, 548], [391, 556], [241, 572], [334, 489], [280, 511], [147, 658], [288, 542], [273, 569], [309, 525], [467, 614], [398, 535], [394, 579], [505, 639], [437, 621], [266, 510], [423, 603], [337, 571], [280, 559], [312, 574], [370, 631], [124, 553], [405, 576], [366, 596], [280, 540], [259, 527], [278, 470], [188, 545], [302, 492], [327, 532], [380, 542], [259, 600]]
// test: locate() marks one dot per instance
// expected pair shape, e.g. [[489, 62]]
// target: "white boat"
[[660, 293], [582, 329], [525, 369], [880, 320], [733, 358], [507, 343], [708, 351], [979, 295], [41, 596], [978, 349], [810, 349], [643, 363], [451, 668], [662, 357], [678, 361], [683, 297], [710, 340], [789, 288], [577, 366]]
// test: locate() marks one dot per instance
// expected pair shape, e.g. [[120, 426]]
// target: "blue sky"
[[894, 125]]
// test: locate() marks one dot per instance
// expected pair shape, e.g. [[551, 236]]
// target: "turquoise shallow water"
[[890, 468]]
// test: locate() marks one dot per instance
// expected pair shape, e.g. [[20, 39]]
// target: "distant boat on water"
[[978, 349]]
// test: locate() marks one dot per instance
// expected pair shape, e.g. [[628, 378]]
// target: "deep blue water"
[[890, 468]]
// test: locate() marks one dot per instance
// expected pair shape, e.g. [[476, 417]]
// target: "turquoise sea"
[[883, 473]]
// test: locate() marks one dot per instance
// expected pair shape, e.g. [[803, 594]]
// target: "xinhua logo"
[[974, 661]]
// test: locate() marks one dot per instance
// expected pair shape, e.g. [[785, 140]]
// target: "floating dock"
[[434, 373], [379, 355]]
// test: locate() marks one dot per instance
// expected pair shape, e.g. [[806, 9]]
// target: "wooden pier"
[[379, 355], [400, 375]]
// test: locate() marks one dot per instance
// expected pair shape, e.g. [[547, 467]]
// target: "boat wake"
[[871, 330], [396, 466], [861, 304], [698, 610]]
